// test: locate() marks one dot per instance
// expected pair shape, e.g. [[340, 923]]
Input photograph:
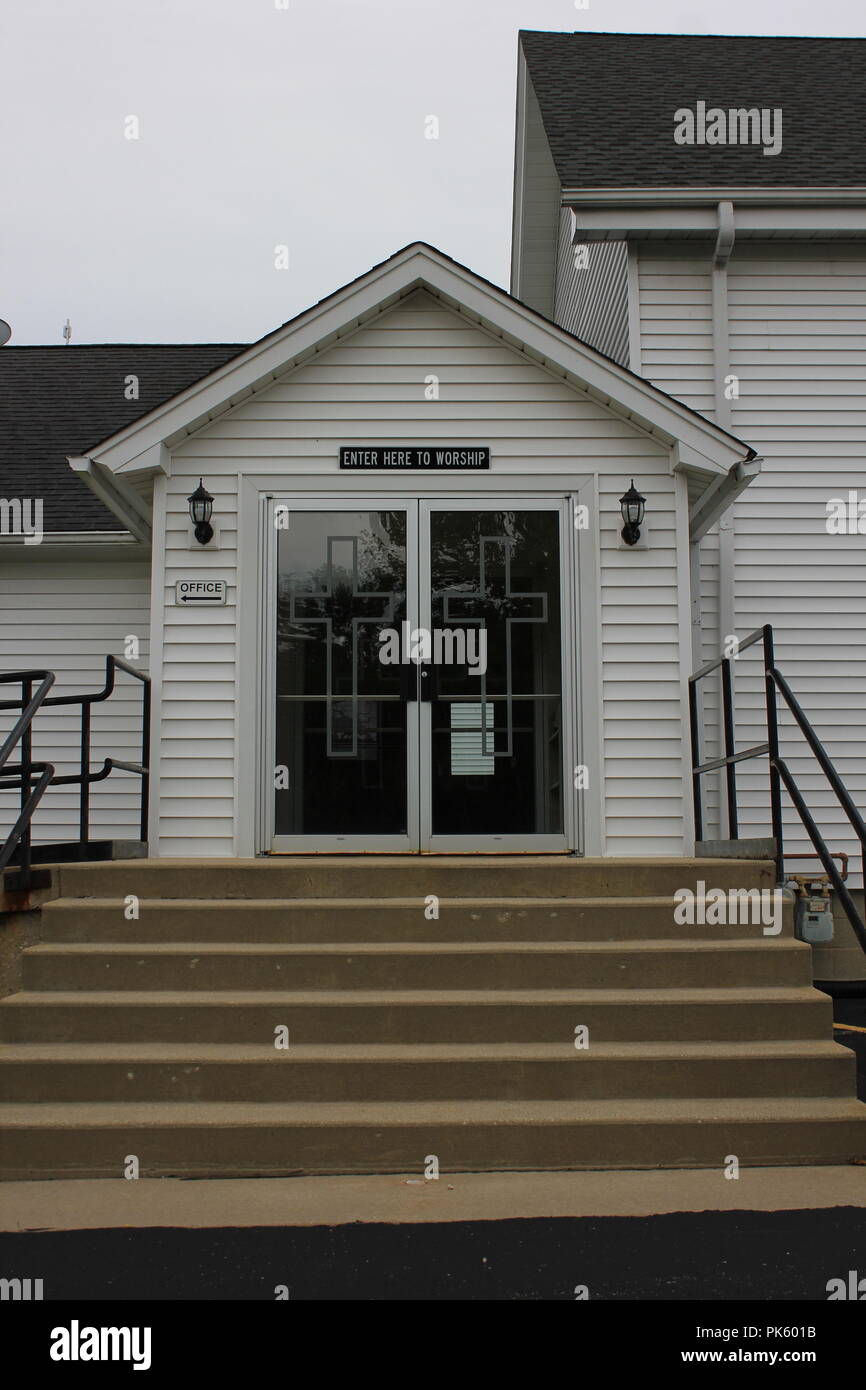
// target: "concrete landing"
[[297, 1202]]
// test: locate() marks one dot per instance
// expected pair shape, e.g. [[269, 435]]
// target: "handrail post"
[[84, 794], [773, 741], [145, 761], [730, 770], [696, 758], [26, 774]]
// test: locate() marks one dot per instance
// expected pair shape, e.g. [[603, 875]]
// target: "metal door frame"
[[559, 494], [456, 844], [342, 844]]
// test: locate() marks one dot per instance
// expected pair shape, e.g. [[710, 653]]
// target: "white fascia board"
[[621, 221], [121, 499], [648, 408], [717, 500], [150, 462], [688, 459], [98, 539], [685, 456], [98, 546], [794, 196], [808, 221]]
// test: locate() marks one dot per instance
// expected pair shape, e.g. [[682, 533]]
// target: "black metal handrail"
[[21, 775], [780, 774]]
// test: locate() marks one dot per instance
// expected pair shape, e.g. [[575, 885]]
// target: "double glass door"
[[419, 675]]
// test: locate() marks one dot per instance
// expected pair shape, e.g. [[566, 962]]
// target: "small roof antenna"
[[5, 332], [67, 331]]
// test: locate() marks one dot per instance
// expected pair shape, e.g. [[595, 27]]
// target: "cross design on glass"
[[337, 631], [515, 607]]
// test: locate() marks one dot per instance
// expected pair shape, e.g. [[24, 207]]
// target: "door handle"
[[417, 682], [408, 683], [427, 683]]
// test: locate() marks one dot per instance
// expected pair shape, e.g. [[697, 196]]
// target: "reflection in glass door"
[[342, 731], [419, 676], [493, 727]]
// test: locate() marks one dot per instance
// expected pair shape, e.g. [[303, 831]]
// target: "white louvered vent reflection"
[[469, 740]]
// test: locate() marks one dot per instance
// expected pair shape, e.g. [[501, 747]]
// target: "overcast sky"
[[262, 126]]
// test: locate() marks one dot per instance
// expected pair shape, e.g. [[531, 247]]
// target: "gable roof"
[[364, 299], [54, 401], [712, 455], [608, 101]]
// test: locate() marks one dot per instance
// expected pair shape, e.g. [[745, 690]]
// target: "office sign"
[[200, 593]]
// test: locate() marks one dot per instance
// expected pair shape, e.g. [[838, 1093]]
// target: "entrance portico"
[[420, 448]]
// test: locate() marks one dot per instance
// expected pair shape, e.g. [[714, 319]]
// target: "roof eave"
[[619, 214], [676, 193], [116, 495]]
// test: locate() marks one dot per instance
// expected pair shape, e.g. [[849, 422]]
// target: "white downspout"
[[723, 416]]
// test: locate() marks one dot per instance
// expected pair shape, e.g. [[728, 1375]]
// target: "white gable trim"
[[419, 266]]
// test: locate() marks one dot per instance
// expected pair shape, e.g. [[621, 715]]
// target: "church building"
[[397, 621]]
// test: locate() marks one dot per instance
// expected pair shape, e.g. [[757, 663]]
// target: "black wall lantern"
[[201, 511], [633, 508]]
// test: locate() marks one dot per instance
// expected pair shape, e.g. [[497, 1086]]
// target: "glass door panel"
[[496, 754], [420, 657], [342, 718]]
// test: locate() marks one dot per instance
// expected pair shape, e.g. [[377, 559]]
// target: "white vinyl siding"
[[676, 338], [798, 345], [370, 389], [198, 715], [641, 670], [67, 616], [797, 333], [676, 324], [592, 300]]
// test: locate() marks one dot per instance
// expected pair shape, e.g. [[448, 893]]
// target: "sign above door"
[[401, 456]]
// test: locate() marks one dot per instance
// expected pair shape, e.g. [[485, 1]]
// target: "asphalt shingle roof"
[[608, 102], [56, 401]]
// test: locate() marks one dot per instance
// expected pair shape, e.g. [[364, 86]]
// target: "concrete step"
[[374, 919], [407, 1016], [647, 964], [201, 1139], [381, 876], [42, 1072]]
